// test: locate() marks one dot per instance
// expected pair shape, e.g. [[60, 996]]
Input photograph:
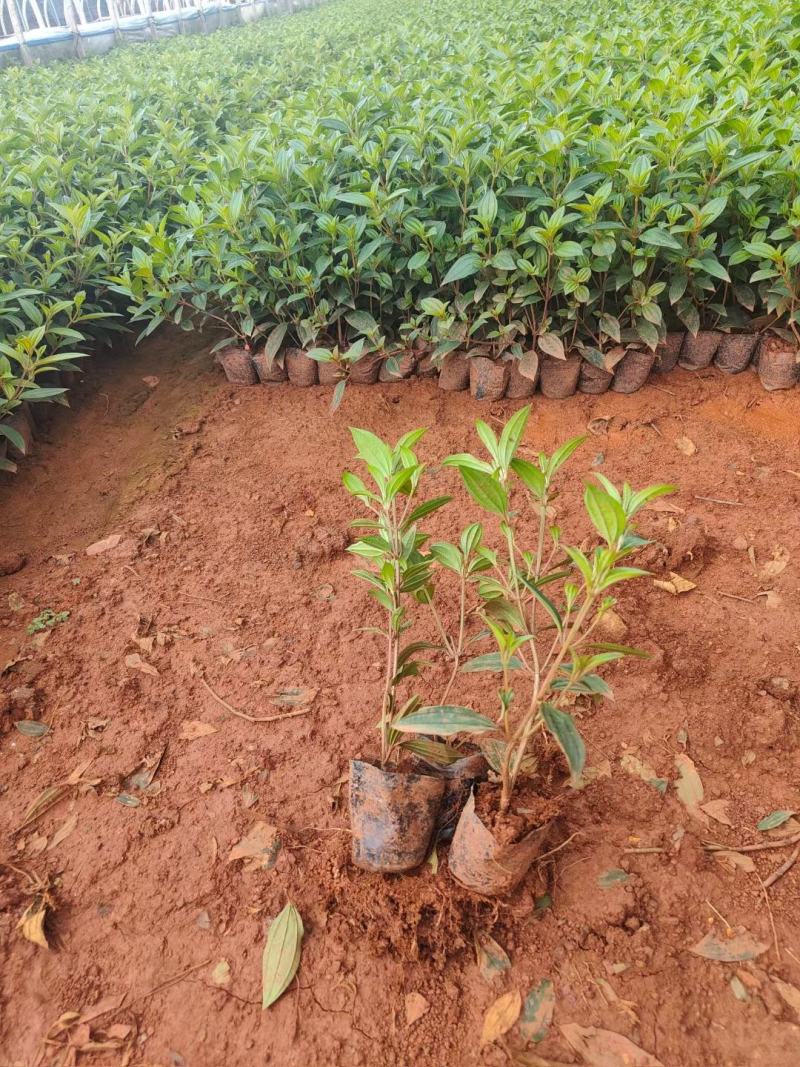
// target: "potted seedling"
[[541, 604], [395, 812]]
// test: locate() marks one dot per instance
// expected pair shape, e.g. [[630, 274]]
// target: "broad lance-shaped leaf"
[[490, 661], [444, 720], [485, 490], [537, 1011], [492, 959], [562, 727], [281, 954]]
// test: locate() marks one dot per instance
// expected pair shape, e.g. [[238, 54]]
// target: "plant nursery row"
[[436, 183]]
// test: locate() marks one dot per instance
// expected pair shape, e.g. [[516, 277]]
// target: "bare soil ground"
[[230, 569]]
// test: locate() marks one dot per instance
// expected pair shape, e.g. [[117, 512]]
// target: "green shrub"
[[588, 175]]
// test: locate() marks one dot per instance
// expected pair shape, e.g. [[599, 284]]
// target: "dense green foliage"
[[579, 172]]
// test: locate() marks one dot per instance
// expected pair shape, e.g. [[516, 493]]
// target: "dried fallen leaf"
[[221, 973], [775, 819], [36, 844], [293, 698], [31, 924], [742, 946], [107, 543], [733, 860], [685, 445], [501, 1016], [102, 1007], [64, 831], [777, 565], [191, 729], [537, 1011], [416, 1006], [675, 584], [604, 1048], [261, 844], [718, 810], [612, 997], [599, 425], [633, 765], [492, 958], [31, 728], [281, 954], [46, 799], [665, 506], [689, 786], [738, 989], [790, 994], [613, 877], [135, 663]]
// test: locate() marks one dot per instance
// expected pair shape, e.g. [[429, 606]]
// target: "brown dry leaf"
[[64, 831], [294, 698], [685, 445], [416, 1007], [501, 1016], [612, 997], [135, 662], [604, 1048], [31, 924], [221, 974], [261, 844], [665, 506], [675, 585], [599, 425], [46, 799], [191, 729], [718, 810], [102, 1007], [107, 543], [528, 364], [689, 786], [777, 565], [790, 994], [612, 625], [741, 946]]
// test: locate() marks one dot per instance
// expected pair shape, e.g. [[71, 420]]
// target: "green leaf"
[[465, 266], [537, 1011], [490, 661], [775, 818], [492, 959], [14, 436], [660, 239], [444, 720], [274, 341], [281, 954], [432, 751], [531, 476], [355, 198], [424, 509], [504, 260], [485, 490], [562, 727], [605, 512], [612, 878]]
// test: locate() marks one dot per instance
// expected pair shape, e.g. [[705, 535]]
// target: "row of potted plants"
[[584, 194], [516, 373], [530, 614]]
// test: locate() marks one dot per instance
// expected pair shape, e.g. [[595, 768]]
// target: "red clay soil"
[[230, 568]]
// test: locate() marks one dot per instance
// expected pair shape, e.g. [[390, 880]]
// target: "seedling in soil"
[[542, 602], [46, 620]]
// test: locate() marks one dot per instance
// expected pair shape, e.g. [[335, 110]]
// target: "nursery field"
[[583, 182], [229, 571], [366, 727]]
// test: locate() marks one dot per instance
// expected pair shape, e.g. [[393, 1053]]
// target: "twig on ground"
[[641, 851], [771, 918], [784, 867], [734, 596], [253, 718], [558, 848], [175, 978], [717, 500], [719, 914], [714, 846]]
